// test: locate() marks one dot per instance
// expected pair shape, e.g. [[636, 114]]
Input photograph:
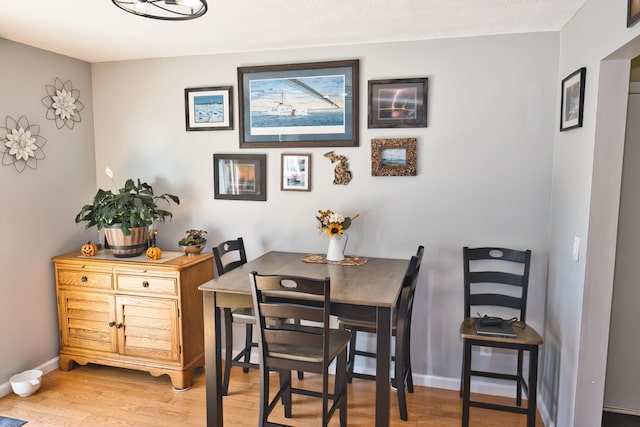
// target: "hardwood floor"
[[93, 395]]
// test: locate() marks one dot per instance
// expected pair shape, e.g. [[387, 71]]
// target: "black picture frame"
[[295, 172], [572, 103], [633, 12], [299, 105], [240, 176], [208, 108], [398, 103]]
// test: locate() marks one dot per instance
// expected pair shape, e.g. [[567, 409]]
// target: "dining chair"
[[234, 253], [401, 330], [496, 284], [299, 343]]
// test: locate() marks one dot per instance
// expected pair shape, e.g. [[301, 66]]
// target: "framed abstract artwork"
[[299, 105]]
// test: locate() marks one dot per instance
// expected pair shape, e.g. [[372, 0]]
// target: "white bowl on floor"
[[26, 383]]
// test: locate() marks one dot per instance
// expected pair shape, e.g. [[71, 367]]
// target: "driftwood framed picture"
[[208, 108], [572, 103], [633, 12], [398, 103], [240, 176], [299, 105], [295, 172], [393, 157]]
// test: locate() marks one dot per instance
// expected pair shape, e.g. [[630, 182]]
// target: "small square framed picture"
[[240, 176], [393, 157], [295, 172], [208, 108], [572, 104]]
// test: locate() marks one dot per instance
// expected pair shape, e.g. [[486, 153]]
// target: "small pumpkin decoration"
[[154, 253], [89, 249]]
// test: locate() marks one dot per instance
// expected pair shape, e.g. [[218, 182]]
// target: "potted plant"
[[125, 215], [194, 241]]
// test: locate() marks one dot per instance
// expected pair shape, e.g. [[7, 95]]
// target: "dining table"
[[363, 288]]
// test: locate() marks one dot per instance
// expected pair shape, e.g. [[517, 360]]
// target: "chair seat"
[[243, 315], [338, 340], [525, 334], [363, 325]]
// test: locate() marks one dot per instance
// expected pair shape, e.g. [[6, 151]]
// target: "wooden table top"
[[375, 283]]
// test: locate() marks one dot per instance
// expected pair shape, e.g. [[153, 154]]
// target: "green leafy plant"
[[134, 205], [193, 237]]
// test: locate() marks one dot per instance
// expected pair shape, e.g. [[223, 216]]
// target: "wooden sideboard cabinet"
[[132, 312]]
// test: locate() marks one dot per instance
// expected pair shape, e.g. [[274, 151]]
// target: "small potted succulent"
[[193, 242]]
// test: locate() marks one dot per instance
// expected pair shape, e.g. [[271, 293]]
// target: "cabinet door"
[[149, 327], [87, 321]]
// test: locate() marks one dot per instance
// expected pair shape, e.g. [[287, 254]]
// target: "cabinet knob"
[[119, 325], [145, 284], [83, 279], [111, 324]]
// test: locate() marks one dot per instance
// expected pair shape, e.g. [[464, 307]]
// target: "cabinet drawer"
[[152, 284], [86, 278]]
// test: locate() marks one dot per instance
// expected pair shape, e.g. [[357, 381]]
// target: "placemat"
[[322, 259], [10, 422]]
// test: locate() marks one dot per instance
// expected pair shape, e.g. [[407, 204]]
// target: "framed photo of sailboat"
[[398, 103], [299, 105]]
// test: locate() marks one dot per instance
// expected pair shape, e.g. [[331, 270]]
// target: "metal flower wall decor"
[[63, 104], [21, 143]]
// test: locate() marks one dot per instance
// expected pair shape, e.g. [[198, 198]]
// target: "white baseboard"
[[625, 411], [46, 367]]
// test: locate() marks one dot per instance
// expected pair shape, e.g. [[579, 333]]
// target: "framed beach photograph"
[[572, 104], [633, 12], [208, 108], [299, 105], [240, 176], [398, 103], [295, 172], [393, 157]]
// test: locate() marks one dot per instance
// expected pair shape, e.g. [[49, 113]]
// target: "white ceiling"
[[97, 31]]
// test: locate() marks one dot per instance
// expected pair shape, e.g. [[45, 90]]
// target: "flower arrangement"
[[193, 237], [332, 223]]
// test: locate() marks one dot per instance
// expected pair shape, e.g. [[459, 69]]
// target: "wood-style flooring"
[[96, 396]]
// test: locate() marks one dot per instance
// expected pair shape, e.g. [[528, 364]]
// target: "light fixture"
[[168, 10]]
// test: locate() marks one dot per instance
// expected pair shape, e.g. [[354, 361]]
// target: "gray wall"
[[585, 199], [38, 206], [484, 166], [622, 391]]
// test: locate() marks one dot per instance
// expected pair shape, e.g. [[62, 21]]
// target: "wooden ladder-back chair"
[[496, 284], [234, 250], [295, 344], [401, 330]]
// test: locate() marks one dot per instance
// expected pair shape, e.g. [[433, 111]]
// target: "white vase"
[[337, 246]]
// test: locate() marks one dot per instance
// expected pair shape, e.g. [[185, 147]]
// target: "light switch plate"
[[576, 248]]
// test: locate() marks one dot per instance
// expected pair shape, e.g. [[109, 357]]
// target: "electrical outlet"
[[485, 351]]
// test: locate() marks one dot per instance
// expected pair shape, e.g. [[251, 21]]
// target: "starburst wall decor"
[[21, 143], [63, 104]]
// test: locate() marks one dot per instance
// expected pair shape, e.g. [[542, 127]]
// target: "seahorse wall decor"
[[342, 174]]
